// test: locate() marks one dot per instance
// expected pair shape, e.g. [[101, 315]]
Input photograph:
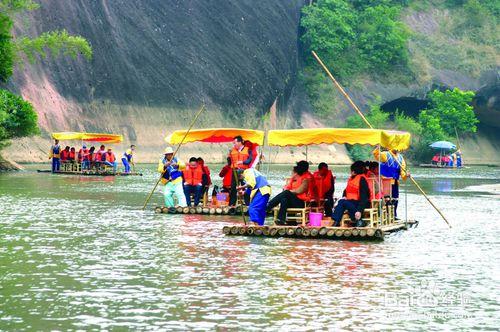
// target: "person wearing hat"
[[171, 171], [356, 196], [392, 166], [55, 155]]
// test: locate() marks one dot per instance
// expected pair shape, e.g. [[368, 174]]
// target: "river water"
[[79, 253]]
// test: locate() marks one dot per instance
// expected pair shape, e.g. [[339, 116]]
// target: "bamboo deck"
[[199, 210], [327, 233], [90, 173]]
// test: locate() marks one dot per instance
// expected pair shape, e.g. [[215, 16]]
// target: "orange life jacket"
[[110, 157], [352, 189], [64, 155], [296, 182], [237, 155], [323, 183], [193, 176]]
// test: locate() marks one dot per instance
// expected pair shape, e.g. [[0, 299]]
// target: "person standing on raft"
[[241, 159], [260, 191], [55, 155], [392, 169], [171, 170], [355, 198], [128, 158]]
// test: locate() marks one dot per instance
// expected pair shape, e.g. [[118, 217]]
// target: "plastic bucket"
[[221, 197], [315, 219]]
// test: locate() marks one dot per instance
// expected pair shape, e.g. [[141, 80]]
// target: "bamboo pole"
[[369, 125], [175, 153], [238, 198]]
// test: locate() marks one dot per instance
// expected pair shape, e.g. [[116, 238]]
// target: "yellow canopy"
[[389, 139], [92, 137], [215, 135]]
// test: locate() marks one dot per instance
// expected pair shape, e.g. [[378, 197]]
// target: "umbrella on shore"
[[445, 145]]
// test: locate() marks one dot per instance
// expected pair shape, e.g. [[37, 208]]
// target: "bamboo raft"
[[90, 173], [327, 233], [202, 210]]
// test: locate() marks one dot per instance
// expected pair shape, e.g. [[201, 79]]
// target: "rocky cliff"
[[155, 62]]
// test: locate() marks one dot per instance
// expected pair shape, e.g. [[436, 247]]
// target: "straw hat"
[[169, 150]]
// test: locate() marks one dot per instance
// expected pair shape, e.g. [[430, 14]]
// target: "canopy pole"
[[380, 188], [369, 125], [173, 156]]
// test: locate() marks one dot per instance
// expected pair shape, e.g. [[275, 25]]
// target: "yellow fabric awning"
[[88, 137], [216, 135], [388, 139]]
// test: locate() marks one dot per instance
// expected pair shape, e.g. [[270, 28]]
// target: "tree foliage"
[[17, 117], [6, 48]]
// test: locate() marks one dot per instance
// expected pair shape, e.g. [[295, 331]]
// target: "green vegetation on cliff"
[[17, 116], [449, 111], [397, 42]]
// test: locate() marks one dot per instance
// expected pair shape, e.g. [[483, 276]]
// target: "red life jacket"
[[110, 157], [226, 174], [296, 182], [237, 155], [323, 183], [193, 176], [64, 155], [255, 153], [83, 154], [352, 189]]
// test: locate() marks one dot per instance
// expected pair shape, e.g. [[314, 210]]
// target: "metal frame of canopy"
[[389, 139]]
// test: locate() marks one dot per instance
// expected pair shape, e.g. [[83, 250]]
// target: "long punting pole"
[[369, 125], [173, 156], [236, 181]]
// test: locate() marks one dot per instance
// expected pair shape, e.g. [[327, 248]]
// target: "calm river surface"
[[78, 253]]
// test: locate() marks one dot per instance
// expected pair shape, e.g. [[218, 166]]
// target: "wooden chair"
[[299, 215]]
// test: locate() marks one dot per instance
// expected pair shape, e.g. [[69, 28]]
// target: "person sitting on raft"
[[83, 157], [325, 184], [297, 192], [100, 156], [171, 171], [92, 156], [110, 160], [128, 158], [65, 155], [260, 191], [55, 155], [356, 196], [207, 180], [226, 173], [372, 175], [193, 181]]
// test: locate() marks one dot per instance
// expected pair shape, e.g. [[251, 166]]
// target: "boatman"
[[458, 153], [128, 158], [260, 191], [241, 158], [392, 166], [55, 155], [171, 170]]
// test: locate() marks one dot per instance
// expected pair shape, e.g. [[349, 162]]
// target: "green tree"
[[17, 117], [330, 30], [382, 39]]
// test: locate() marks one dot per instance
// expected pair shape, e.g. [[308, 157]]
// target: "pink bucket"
[[315, 219]]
